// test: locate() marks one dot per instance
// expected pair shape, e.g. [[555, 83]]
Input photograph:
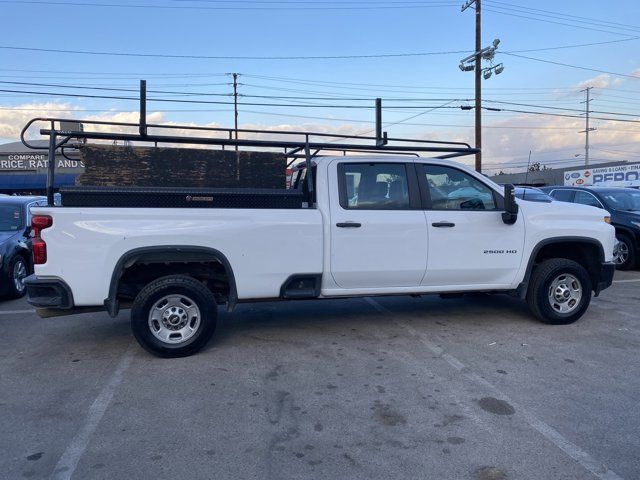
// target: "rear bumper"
[[48, 293], [605, 279]]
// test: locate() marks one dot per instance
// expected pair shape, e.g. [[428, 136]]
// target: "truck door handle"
[[443, 224], [348, 225]]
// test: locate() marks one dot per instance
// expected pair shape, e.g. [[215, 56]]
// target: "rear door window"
[[374, 186], [10, 218]]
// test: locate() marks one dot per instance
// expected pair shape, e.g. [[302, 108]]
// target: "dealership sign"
[[21, 162], [619, 176]]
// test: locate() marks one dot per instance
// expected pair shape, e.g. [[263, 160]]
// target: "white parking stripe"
[[572, 450], [16, 312], [627, 281], [69, 460]]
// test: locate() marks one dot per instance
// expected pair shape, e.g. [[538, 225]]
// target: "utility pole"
[[587, 129], [478, 72], [235, 121], [478, 79], [474, 62]]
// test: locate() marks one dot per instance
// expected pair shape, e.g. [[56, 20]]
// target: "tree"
[[534, 167]]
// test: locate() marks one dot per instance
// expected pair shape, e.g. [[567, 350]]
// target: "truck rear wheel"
[[559, 292], [174, 316]]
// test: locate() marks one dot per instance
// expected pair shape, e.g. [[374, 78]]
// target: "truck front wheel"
[[174, 316], [559, 292]]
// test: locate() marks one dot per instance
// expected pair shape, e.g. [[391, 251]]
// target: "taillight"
[[39, 247]]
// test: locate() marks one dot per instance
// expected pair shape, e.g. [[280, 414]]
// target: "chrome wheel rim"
[[565, 293], [174, 319], [19, 274], [622, 255]]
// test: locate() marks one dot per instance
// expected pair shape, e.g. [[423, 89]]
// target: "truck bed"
[[178, 197]]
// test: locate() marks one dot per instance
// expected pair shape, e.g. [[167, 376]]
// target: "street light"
[[467, 64]]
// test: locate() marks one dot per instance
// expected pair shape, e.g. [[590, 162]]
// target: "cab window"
[[453, 189], [374, 186], [563, 195]]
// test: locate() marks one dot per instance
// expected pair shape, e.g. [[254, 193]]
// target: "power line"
[[561, 108], [175, 100], [572, 66], [556, 22], [232, 57], [577, 45], [297, 57], [574, 21], [528, 112], [562, 14], [235, 8]]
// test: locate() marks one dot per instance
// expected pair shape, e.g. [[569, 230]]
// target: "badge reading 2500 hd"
[[499, 252]]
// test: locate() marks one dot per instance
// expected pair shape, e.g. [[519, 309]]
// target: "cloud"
[[553, 141], [506, 142], [14, 118], [601, 81]]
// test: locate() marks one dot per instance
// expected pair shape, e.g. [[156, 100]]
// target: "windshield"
[[622, 200], [532, 195], [10, 218]]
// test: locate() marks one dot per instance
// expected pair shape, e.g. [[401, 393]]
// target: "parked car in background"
[[532, 194], [15, 243], [624, 206]]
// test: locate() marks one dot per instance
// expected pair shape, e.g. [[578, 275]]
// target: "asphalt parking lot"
[[391, 388]]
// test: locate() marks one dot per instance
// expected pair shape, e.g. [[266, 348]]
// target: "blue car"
[[624, 206], [15, 243]]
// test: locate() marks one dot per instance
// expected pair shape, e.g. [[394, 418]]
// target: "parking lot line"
[[575, 452], [69, 460], [627, 281], [16, 312]]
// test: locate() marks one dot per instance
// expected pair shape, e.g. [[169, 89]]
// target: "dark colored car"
[[15, 243], [532, 194], [624, 206]]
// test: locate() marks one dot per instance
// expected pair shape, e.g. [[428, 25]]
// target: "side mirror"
[[510, 214]]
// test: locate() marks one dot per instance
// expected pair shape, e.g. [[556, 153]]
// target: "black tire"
[[188, 290], [17, 262], [538, 294], [626, 243]]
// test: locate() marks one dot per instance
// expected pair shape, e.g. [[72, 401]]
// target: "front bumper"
[[605, 279], [48, 293]]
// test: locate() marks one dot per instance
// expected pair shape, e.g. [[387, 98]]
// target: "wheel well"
[[587, 254], [138, 268], [625, 232]]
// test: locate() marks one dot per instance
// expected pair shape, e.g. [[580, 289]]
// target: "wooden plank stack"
[[110, 165]]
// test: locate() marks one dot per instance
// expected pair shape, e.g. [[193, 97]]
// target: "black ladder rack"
[[297, 144]]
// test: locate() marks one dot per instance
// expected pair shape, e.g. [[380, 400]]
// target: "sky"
[[424, 41]]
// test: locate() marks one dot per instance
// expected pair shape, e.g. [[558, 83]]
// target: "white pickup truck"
[[378, 225]]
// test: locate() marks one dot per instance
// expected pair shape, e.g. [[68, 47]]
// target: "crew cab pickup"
[[376, 225]]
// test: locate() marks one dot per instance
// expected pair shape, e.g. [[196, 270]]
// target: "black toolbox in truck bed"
[[168, 197]]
